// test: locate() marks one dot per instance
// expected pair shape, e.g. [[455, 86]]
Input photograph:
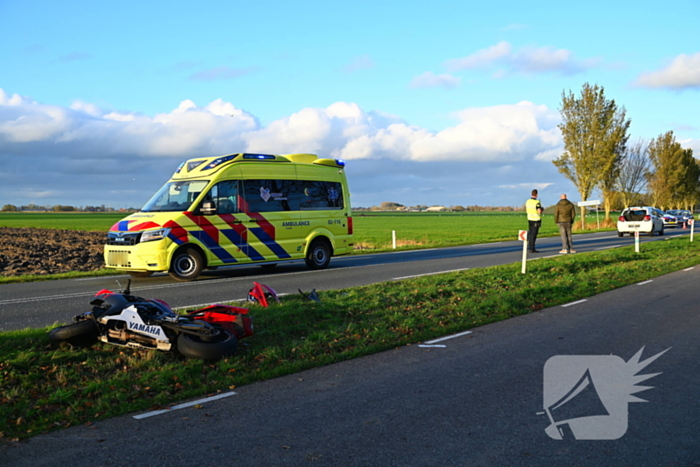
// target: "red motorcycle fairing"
[[231, 318], [104, 292], [261, 293]]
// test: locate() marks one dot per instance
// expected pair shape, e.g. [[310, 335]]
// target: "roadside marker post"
[[522, 235], [692, 228], [636, 241], [393, 238]]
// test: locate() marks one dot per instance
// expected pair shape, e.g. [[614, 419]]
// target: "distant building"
[[437, 209]]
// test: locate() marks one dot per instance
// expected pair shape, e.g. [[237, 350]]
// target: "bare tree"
[[634, 172]]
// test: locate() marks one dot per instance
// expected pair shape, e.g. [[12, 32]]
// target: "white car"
[[642, 219]]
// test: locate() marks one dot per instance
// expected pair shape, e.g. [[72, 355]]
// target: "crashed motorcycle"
[[123, 319]]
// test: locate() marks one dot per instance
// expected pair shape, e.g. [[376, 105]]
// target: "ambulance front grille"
[[123, 238]]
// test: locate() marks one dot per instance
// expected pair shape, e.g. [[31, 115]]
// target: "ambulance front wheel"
[[319, 254], [186, 265]]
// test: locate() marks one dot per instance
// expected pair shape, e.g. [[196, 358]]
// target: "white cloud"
[[361, 62], [481, 58], [527, 186], [86, 153], [693, 144], [487, 134], [502, 58], [431, 80], [515, 27], [682, 73]]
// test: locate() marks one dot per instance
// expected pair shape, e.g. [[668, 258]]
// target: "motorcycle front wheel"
[[81, 333], [223, 345]]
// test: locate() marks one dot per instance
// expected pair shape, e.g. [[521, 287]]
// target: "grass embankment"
[[45, 386]]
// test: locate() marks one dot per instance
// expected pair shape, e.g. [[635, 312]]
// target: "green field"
[[428, 230], [90, 221], [373, 231]]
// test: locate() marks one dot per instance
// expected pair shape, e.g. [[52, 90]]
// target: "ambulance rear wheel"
[[319, 255], [186, 265]]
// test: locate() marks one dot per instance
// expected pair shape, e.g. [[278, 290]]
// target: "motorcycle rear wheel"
[[81, 333], [192, 346]]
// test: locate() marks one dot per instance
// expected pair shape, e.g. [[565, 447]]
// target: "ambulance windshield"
[[175, 196]]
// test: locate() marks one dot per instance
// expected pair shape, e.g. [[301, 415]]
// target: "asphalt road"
[[473, 402], [40, 304]]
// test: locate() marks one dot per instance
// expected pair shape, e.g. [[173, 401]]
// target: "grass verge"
[[63, 275], [45, 386]]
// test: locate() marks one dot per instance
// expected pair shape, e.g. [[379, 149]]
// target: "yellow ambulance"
[[237, 209]]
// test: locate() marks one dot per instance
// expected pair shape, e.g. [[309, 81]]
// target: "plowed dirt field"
[[48, 251]]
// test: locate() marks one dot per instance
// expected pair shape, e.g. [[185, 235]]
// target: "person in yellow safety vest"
[[534, 219]]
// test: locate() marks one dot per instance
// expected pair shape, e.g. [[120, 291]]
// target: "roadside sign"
[[522, 235], [690, 221], [592, 202]]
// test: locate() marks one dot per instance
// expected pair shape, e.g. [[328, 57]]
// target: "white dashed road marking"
[[428, 274], [435, 341], [574, 303], [183, 406]]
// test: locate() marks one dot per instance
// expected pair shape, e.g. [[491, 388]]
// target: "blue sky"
[[440, 102]]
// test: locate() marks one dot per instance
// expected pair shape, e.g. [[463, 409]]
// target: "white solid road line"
[[574, 303], [185, 405], [645, 282], [431, 346], [690, 268]]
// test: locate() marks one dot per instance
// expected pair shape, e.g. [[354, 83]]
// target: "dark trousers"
[[533, 230], [565, 232]]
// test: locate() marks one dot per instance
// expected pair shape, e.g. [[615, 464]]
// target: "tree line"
[[598, 155], [56, 208]]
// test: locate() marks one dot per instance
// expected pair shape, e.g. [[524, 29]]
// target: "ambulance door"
[[272, 220], [223, 233]]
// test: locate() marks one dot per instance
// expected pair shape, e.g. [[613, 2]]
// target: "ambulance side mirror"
[[208, 208]]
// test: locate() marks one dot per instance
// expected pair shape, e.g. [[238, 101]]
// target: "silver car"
[[683, 215]]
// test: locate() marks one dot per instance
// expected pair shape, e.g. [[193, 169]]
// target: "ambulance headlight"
[[151, 235]]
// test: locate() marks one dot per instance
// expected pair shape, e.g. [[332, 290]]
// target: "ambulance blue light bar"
[[219, 161], [340, 162], [259, 156], [179, 167]]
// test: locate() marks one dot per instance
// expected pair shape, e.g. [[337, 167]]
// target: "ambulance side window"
[[270, 195], [225, 197], [321, 195]]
